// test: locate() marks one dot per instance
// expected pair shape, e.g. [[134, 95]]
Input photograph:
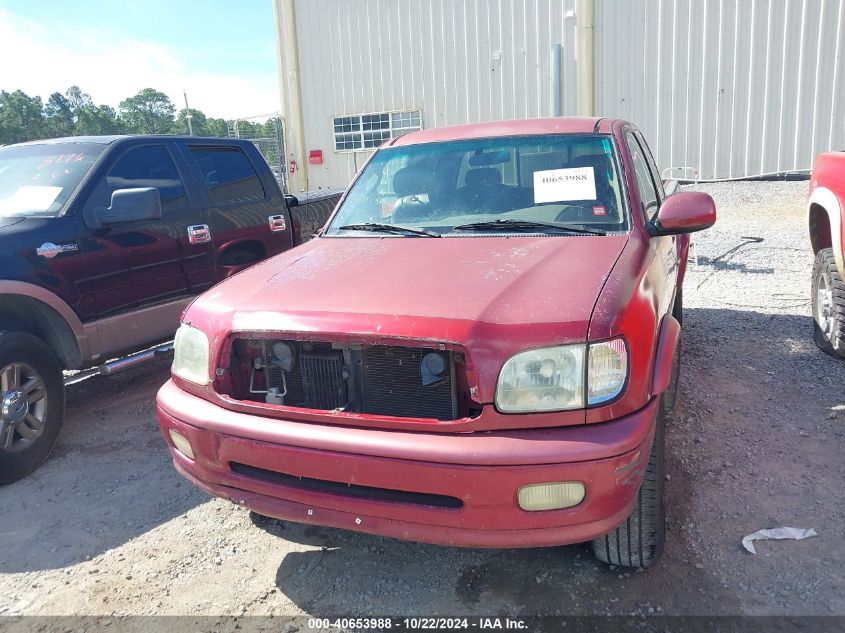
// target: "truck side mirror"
[[131, 205], [684, 212]]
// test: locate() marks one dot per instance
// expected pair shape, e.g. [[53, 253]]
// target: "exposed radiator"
[[323, 384]]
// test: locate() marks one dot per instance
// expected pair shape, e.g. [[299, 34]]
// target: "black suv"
[[103, 242]]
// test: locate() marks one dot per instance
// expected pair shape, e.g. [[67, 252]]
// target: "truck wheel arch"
[[255, 248], [35, 310], [824, 220], [667, 343]]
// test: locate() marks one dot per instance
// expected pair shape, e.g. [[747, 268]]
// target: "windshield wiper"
[[376, 227], [525, 225]]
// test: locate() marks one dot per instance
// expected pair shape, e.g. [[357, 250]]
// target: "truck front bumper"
[[450, 489]]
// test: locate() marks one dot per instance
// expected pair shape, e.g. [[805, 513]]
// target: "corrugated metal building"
[[732, 88]]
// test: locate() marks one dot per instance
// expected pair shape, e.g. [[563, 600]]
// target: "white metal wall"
[[732, 87], [440, 56]]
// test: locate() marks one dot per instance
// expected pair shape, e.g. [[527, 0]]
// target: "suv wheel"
[[828, 298], [31, 404], [638, 542]]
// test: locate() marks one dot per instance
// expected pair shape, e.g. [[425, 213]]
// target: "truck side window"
[[229, 175], [648, 192], [652, 166], [146, 166]]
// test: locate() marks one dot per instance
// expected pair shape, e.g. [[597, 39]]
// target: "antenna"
[[188, 114]]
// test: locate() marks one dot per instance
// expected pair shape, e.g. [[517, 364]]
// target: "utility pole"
[[188, 114]]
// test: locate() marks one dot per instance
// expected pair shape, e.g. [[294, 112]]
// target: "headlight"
[[552, 378], [190, 356], [608, 370]]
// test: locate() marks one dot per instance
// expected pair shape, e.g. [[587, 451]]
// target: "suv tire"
[[32, 402], [828, 300], [638, 542]]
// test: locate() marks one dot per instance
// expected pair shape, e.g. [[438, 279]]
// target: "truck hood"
[[491, 296], [9, 220]]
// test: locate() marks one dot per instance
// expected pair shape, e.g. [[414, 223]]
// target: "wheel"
[[828, 299], [32, 402], [638, 542]]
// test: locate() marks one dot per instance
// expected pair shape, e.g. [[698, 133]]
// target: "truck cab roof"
[[114, 138]]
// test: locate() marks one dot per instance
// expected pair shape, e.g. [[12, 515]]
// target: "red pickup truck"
[[478, 349], [826, 215]]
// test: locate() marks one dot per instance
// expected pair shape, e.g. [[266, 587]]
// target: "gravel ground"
[[107, 527]]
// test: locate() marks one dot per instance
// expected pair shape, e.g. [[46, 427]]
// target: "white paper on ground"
[[31, 198], [561, 185], [775, 534]]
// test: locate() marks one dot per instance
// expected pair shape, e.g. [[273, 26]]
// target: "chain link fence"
[[267, 133]]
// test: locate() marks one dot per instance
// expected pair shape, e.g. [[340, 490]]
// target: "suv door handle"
[[277, 223], [199, 234]]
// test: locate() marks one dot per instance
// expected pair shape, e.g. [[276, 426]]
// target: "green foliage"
[[148, 112], [200, 124], [74, 113], [21, 117]]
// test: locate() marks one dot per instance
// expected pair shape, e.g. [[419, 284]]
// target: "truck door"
[[248, 218], [152, 261], [651, 197]]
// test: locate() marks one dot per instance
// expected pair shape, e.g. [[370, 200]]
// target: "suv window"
[[648, 192], [229, 175], [146, 166], [149, 166]]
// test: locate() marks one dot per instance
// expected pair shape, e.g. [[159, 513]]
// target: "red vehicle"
[[478, 349], [826, 214]]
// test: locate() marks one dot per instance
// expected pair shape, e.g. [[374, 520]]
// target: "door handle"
[[277, 223], [199, 234]]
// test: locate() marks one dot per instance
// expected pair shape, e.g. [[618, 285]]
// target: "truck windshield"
[[39, 179], [537, 184]]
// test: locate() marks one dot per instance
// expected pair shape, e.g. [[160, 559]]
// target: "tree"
[[78, 99], [93, 120], [21, 117], [218, 127], [148, 112], [201, 124], [88, 118], [59, 119]]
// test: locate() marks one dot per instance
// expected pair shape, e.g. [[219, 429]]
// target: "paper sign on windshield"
[[31, 198], [560, 185]]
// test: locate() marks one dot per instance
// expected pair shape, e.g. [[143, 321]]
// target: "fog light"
[[182, 444], [552, 496]]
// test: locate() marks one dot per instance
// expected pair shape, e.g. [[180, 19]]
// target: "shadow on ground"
[[742, 360], [109, 480]]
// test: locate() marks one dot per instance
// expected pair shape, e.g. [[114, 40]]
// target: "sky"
[[221, 52]]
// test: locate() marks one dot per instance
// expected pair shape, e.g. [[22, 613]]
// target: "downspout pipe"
[[557, 81], [290, 90], [586, 27]]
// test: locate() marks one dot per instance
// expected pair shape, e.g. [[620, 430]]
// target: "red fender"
[[667, 343]]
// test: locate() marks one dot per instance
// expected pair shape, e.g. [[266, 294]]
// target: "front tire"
[[828, 299], [31, 404], [638, 542]]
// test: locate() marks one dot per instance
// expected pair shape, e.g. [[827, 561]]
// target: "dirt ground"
[[108, 527]]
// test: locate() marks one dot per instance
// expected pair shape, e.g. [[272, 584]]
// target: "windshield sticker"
[[561, 185], [31, 198]]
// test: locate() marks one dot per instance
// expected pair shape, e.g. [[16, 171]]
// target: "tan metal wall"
[[731, 87]]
